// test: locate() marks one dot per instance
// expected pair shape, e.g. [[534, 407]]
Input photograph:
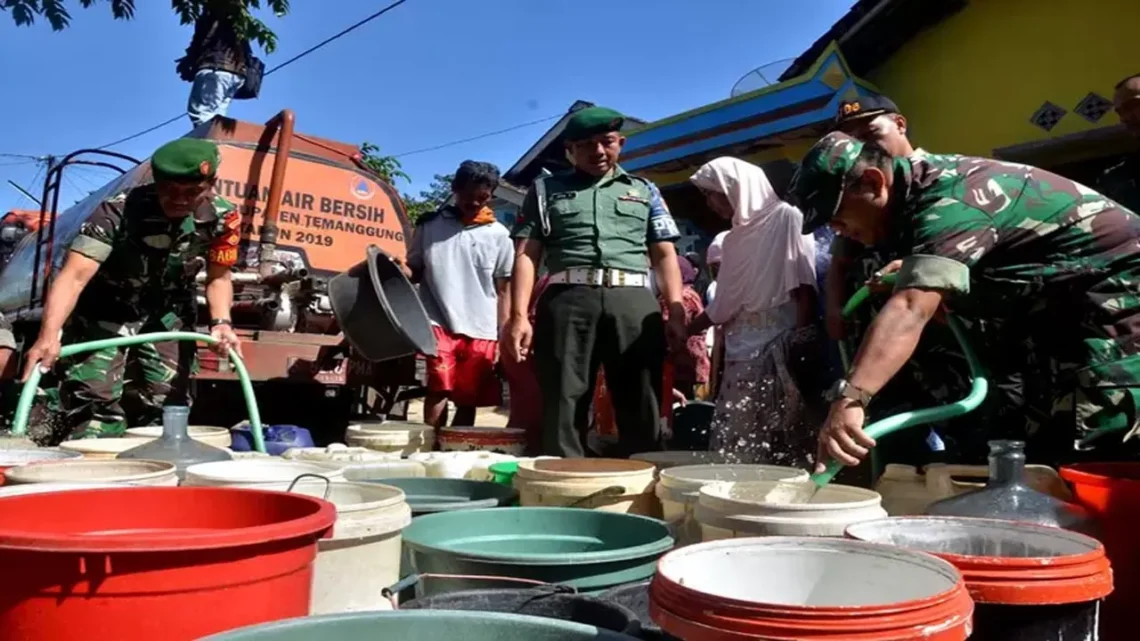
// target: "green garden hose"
[[28, 393], [891, 424]]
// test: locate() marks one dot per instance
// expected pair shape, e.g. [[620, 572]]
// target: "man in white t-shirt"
[[462, 258]]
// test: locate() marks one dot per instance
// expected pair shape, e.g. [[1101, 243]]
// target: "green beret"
[[185, 160], [592, 121], [817, 187]]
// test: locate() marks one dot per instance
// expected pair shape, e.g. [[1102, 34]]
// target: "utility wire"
[[288, 62], [479, 137]]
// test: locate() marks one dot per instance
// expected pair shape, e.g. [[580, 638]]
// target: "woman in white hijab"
[[766, 304]]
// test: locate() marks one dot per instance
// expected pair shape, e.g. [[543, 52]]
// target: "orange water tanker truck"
[[310, 211]]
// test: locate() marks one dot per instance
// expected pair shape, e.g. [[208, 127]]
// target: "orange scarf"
[[484, 216]]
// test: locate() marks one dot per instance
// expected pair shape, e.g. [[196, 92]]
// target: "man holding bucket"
[[131, 270], [1054, 263], [599, 229]]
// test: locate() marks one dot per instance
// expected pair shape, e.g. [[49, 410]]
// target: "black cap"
[[864, 107]]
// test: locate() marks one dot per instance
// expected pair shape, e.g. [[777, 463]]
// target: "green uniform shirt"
[[599, 223], [148, 261], [1011, 241]]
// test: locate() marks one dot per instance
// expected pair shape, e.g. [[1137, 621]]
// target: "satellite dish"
[[761, 77]]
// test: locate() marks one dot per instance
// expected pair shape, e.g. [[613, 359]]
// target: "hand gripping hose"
[[892, 424], [28, 393]]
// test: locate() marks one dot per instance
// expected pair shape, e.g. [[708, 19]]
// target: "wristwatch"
[[844, 389], [215, 322]]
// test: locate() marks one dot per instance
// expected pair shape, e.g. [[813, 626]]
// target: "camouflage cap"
[[185, 160], [591, 121], [817, 187]]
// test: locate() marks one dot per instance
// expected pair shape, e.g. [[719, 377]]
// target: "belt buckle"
[[621, 279]]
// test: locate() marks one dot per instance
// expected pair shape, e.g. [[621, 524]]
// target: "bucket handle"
[[608, 492], [328, 483], [392, 591]]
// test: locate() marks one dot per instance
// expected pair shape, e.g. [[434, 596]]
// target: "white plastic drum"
[[666, 460], [732, 510], [398, 438], [679, 488], [362, 557], [259, 473]]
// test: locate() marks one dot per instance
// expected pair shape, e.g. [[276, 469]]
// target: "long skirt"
[[761, 415]]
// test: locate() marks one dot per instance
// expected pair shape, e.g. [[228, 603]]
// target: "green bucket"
[[504, 473], [421, 625], [591, 550]]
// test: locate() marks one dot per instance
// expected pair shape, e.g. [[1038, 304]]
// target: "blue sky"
[[425, 74]]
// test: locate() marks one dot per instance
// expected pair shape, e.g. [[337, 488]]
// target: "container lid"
[[563, 469], [88, 470], [261, 470], [691, 478], [23, 457], [539, 535], [1003, 562]]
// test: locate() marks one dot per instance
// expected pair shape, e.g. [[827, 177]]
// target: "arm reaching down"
[[78, 270]]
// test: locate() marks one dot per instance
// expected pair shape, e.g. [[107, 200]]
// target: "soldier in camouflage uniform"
[[1121, 182], [1055, 264], [131, 270], [938, 373]]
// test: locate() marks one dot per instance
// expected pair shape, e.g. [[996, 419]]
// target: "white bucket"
[[680, 487], [566, 482], [379, 470], [362, 557], [210, 435], [103, 449], [259, 473], [666, 460], [731, 510], [84, 471], [799, 572], [394, 437]]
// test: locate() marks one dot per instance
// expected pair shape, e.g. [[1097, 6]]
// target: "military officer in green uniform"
[[1055, 264], [1121, 182], [131, 269], [599, 230]]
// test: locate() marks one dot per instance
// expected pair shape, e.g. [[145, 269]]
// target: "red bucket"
[[148, 563], [1111, 491], [807, 589]]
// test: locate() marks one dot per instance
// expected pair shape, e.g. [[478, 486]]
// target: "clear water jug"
[[1008, 497], [175, 445]]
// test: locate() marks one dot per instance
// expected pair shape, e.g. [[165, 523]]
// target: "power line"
[[277, 68], [479, 137]]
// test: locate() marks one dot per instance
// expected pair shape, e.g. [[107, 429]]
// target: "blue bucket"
[[278, 438]]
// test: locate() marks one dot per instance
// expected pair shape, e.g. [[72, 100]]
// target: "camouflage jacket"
[[1121, 182], [1054, 264], [148, 262]]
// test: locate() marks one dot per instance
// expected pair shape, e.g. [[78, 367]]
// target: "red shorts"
[[464, 370]]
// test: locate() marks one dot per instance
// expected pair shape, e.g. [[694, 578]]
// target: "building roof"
[[873, 30], [547, 152]]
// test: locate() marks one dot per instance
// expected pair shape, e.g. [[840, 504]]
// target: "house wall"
[[972, 83]]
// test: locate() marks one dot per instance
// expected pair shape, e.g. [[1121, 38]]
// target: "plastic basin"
[[591, 550], [139, 564], [430, 495], [422, 625]]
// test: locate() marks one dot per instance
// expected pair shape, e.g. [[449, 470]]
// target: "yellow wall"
[[971, 84]]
